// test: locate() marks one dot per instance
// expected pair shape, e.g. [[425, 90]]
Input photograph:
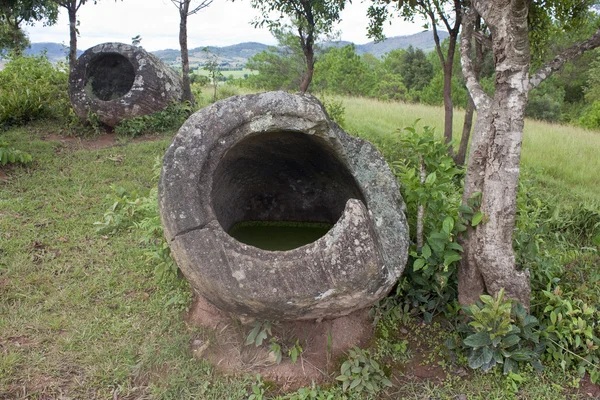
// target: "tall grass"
[[565, 157]]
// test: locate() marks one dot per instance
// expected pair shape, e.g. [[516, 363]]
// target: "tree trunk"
[[72, 10], [185, 62], [310, 66], [493, 168], [448, 106], [459, 159]]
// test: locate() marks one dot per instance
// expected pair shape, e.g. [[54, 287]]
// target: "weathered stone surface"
[[118, 81], [277, 157]]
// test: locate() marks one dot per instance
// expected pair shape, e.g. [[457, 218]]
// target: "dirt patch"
[[324, 343], [72, 143], [3, 177], [588, 389]]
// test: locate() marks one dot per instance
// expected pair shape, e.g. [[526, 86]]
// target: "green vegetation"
[[93, 305], [26, 84]]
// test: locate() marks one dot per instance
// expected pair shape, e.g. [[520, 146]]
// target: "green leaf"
[[448, 225], [509, 366], [477, 218], [418, 264], [252, 336], [451, 257], [510, 340], [342, 378], [455, 246], [386, 382], [346, 366], [426, 251], [476, 359], [479, 339], [431, 178], [355, 383]]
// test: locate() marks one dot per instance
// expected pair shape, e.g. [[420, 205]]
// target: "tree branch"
[[480, 98], [569, 54], [436, 38], [202, 5], [442, 15]]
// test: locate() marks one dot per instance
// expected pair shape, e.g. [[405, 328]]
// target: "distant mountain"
[[229, 56], [235, 56], [422, 40], [55, 51]]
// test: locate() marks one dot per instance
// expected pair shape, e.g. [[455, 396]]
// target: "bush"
[[545, 102], [170, 118], [591, 117], [32, 88]]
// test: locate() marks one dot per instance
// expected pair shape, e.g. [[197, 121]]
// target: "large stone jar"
[[116, 81], [276, 157]]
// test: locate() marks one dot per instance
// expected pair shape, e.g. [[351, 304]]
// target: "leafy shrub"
[[591, 117], [431, 271], [32, 88], [572, 332], [8, 155], [360, 373], [335, 109], [169, 119], [499, 332]]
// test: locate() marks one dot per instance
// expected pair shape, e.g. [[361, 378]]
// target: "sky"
[[223, 23]]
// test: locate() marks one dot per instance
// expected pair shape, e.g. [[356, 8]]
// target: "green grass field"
[[564, 156], [236, 74], [82, 317]]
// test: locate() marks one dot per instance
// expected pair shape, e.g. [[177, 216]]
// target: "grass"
[[565, 157], [81, 315]]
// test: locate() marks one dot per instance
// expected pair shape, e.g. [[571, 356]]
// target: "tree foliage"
[[311, 19], [15, 13]]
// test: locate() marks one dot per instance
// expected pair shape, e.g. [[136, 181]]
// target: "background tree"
[[310, 18], [342, 71], [281, 66], [488, 263], [72, 6], [186, 9], [14, 13], [438, 12]]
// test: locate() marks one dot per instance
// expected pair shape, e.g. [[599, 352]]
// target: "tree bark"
[[72, 11], [310, 67], [448, 105], [461, 155], [185, 61], [494, 160]]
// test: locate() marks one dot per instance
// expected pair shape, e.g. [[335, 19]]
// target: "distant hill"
[[235, 56], [55, 51], [422, 40]]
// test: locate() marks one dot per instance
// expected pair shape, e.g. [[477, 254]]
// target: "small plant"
[[260, 332], [499, 332], [295, 351], [129, 210], [258, 389], [572, 333], [8, 155], [335, 109], [360, 373]]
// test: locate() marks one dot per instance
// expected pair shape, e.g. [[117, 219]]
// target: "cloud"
[[223, 23]]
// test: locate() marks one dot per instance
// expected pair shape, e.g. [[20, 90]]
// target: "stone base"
[[223, 345]]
